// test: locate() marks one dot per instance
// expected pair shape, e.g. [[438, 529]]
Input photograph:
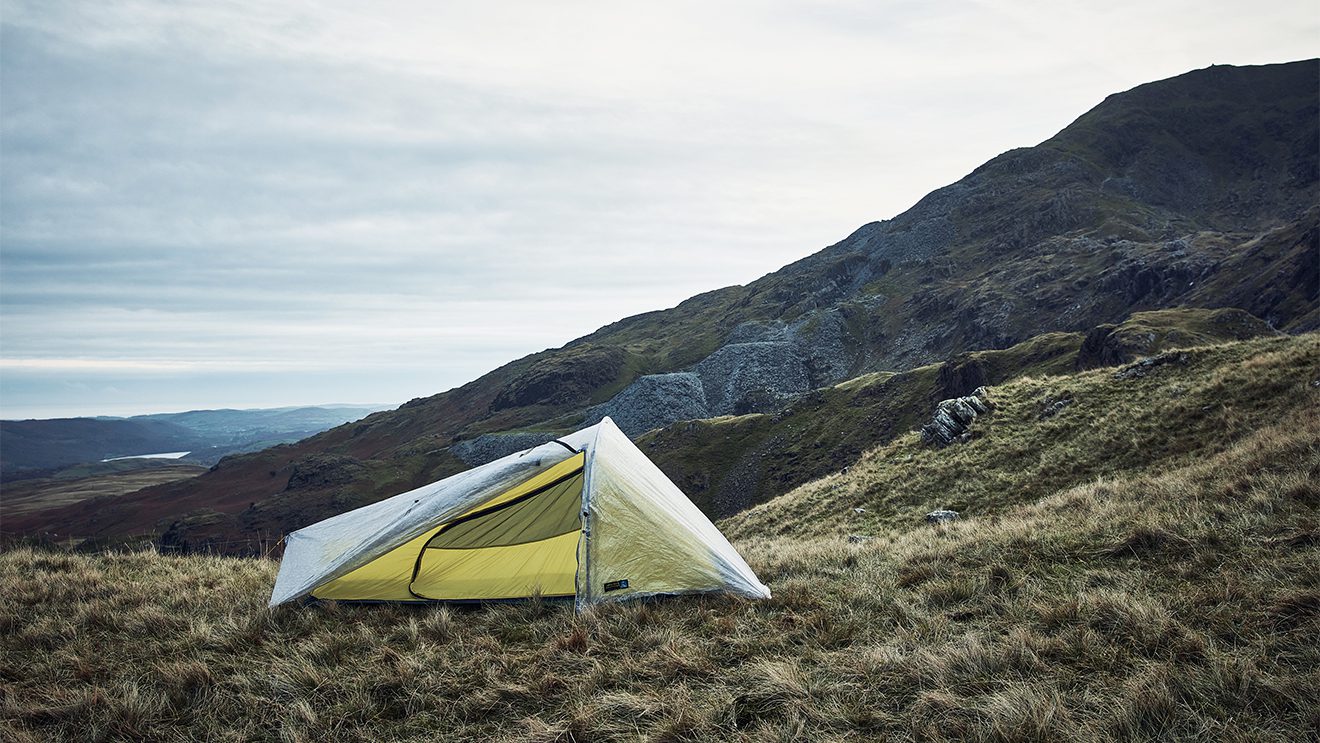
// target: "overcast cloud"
[[260, 203]]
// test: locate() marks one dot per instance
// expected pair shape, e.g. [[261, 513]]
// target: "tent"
[[587, 516]]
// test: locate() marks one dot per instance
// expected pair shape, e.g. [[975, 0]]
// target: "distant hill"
[[1199, 191], [36, 447]]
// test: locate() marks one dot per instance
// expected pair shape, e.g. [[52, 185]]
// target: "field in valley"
[[22, 496]]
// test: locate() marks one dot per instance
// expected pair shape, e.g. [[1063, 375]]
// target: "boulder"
[[1052, 404], [941, 517], [953, 418]]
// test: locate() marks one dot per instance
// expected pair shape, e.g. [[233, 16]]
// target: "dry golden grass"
[[1198, 404], [32, 495], [1178, 599]]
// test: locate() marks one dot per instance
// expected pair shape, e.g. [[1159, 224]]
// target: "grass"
[[729, 464], [732, 463], [1172, 596], [68, 487], [1199, 403]]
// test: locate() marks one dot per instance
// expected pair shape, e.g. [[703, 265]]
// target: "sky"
[[240, 203]]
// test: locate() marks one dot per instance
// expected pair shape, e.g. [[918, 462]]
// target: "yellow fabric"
[[548, 567], [386, 578], [574, 462]]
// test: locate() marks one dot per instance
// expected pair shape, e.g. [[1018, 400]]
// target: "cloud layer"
[[254, 203]]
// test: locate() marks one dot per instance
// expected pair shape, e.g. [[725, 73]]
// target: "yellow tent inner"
[[520, 543]]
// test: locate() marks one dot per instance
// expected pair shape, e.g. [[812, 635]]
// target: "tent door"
[[515, 548]]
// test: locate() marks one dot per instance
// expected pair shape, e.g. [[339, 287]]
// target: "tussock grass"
[[1170, 597], [1203, 400]]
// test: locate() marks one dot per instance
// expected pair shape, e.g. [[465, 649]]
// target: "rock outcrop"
[[761, 368], [1149, 365], [654, 400], [492, 446], [1052, 404], [953, 418], [324, 470]]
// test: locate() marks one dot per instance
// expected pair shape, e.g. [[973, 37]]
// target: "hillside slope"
[[1198, 191], [1051, 432], [1134, 567], [729, 464], [42, 493]]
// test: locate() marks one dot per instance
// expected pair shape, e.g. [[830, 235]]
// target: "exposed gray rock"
[[653, 401], [758, 332], [922, 238], [491, 446], [941, 517], [1051, 405], [752, 377], [821, 339], [953, 418], [1147, 366], [762, 367]]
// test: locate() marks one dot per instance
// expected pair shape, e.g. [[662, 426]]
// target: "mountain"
[[229, 431], [29, 448], [1199, 191]]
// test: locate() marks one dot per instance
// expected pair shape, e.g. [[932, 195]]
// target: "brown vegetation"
[[50, 492], [1171, 596]]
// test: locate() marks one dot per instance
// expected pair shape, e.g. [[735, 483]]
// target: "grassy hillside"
[[729, 464], [1178, 407], [1138, 566]]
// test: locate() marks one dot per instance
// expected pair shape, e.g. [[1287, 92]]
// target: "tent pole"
[[584, 594]]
